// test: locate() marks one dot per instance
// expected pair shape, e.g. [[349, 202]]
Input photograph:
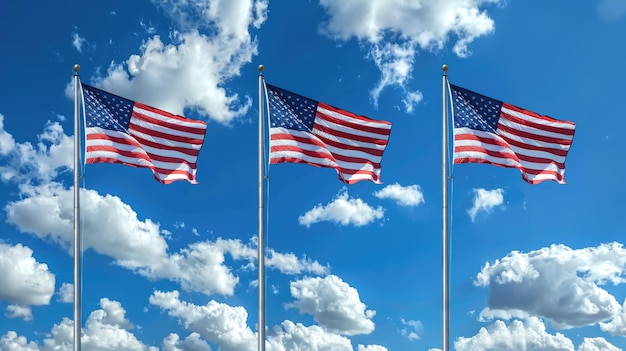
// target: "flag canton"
[[475, 111], [106, 110], [289, 110]]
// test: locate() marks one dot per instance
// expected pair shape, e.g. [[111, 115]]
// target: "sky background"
[[358, 267]]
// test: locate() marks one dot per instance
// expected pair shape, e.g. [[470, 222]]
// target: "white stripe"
[[346, 129], [532, 130], [163, 129], [187, 122], [370, 123], [553, 123], [165, 142]]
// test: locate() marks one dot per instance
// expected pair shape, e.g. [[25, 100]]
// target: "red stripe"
[[167, 114], [524, 170], [538, 116], [354, 125], [357, 138], [523, 145], [350, 114], [169, 125], [311, 153], [526, 135], [547, 128], [181, 139]]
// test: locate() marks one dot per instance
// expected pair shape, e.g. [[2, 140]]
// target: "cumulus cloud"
[[558, 283], [216, 58], [24, 280], [7, 143], [66, 293], [485, 201], [111, 227], [193, 342], [12, 341], [216, 322], [334, 304], [404, 195], [394, 30], [343, 210], [18, 311], [516, 336], [226, 325], [41, 162], [295, 336], [597, 344], [106, 329]]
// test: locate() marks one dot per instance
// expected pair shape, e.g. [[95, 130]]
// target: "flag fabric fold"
[[303, 130], [119, 130], [498, 133]]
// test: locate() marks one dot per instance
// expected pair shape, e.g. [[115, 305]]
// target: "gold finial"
[[76, 68], [261, 68], [444, 68]]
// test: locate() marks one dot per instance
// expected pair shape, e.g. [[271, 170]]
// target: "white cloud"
[[78, 42], [24, 280], [191, 343], [216, 58], [411, 329], [597, 344], [529, 335], [394, 30], [411, 99], [226, 325], [295, 336], [41, 162], [216, 322], [19, 311], [66, 293], [558, 283], [371, 348], [7, 143], [404, 195], [334, 304], [12, 342], [486, 201], [343, 210], [105, 329]]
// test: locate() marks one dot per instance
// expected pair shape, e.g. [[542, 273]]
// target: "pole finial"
[[76, 68], [444, 68], [261, 68]]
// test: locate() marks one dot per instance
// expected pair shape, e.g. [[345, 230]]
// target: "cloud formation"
[[394, 30], [343, 210], [334, 304], [485, 201], [410, 195], [216, 57], [558, 283]]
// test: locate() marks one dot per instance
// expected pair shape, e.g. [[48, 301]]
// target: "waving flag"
[[118, 130], [494, 132], [303, 130]]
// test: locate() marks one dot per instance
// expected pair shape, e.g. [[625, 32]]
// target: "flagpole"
[[445, 260], [77, 242], [261, 237]]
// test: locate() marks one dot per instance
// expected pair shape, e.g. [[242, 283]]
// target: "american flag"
[[118, 130], [303, 130], [498, 133]]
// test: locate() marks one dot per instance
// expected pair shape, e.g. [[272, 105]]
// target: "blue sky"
[[358, 267]]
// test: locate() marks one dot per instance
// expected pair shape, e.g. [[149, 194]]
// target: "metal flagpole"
[[445, 241], [77, 242], [261, 238]]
